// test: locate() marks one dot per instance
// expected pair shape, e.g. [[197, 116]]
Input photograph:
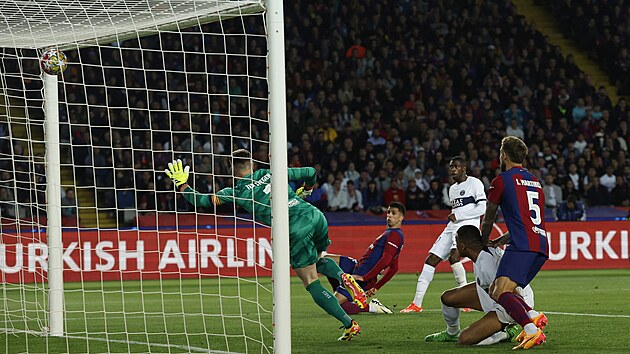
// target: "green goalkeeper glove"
[[303, 192], [177, 173]]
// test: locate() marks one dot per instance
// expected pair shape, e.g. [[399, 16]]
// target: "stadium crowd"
[[379, 97], [602, 29]]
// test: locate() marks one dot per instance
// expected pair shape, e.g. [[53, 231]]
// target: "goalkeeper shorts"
[[308, 234]]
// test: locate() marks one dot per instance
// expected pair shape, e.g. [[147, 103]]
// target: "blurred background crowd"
[[380, 96]]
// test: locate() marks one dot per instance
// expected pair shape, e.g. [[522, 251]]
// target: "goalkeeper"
[[308, 228]]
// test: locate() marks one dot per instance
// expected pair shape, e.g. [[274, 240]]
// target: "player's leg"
[[514, 270], [438, 252], [304, 256], [452, 300], [465, 296], [488, 326], [458, 268], [327, 266]]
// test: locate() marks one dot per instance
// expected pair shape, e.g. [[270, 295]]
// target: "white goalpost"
[[98, 252]]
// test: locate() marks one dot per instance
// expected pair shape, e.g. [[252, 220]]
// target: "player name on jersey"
[[522, 182]]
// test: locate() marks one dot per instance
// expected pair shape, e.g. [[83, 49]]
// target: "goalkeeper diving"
[[308, 228]]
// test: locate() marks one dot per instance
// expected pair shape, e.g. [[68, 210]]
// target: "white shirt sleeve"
[[480, 203]]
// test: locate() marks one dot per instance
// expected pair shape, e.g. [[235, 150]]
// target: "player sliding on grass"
[[468, 201], [496, 326], [381, 256], [308, 228], [520, 195]]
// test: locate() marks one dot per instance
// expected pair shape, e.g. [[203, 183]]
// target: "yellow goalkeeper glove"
[[303, 192], [177, 172]]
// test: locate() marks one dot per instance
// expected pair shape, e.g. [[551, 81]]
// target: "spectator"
[[571, 210], [553, 193], [337, 197], [414, 196], [421, 182], [620, 195], [514, 130], [608, 179], [596, 194], [394, 194], [372, 197], [355, 198], [383, 182], [69, 204]]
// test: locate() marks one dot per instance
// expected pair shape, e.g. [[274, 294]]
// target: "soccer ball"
[[53, 62]]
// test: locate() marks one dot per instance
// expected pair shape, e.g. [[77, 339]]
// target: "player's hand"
[[452, 217], [177, 172], [357, 277], [304, 192], [371, 292]]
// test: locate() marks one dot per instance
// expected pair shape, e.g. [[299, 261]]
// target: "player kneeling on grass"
[[380, 257], [308, 228], [496, 326]]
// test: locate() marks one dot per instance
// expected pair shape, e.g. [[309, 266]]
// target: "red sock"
[[515, 308], [352, 309]]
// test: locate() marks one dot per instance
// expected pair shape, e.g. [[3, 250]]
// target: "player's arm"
[[306, 174], [480, 205], [179, 174], [488, 220], [500, 241], [389, 273], [393, 244], [495, 193]]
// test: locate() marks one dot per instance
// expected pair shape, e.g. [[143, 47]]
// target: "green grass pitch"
[[115, 319]]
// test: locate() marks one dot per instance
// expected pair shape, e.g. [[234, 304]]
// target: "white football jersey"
[[465, 197]]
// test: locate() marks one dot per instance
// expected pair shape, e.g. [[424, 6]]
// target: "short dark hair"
[[461, 160], [240, 158], [514, 148], [470, 236], [398, 206]]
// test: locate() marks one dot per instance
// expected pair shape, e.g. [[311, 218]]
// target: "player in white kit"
[[468, 200], [495, 326]]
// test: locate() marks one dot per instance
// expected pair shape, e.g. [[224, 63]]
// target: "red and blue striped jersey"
[[522, 201], [382, 254]]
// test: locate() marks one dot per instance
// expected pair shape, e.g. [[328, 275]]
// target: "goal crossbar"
[[68, 24]]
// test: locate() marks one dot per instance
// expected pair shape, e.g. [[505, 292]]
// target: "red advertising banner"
[[133, 254]]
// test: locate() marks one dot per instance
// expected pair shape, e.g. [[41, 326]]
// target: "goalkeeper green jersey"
[[253, 193]]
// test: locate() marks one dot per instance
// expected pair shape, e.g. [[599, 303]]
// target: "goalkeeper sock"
[[329, 268], [460, 274], [328, 302]]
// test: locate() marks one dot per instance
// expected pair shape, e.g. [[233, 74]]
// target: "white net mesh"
[[147, 82]]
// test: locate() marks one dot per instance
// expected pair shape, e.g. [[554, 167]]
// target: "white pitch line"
[[556, 313], [586, 314], [182, 347]]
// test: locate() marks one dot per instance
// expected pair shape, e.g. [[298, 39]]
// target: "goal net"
[[147, 82]]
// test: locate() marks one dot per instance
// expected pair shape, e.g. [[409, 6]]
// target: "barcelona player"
[[381, 257], [522, 201]]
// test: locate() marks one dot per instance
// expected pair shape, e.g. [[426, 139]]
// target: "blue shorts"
[[520, 266], [348, 264]]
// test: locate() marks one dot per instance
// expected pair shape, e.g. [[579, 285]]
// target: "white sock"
[[460, 273], [451, 317], [495, 338], [530, 328], [423, 283], [532, 313]]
